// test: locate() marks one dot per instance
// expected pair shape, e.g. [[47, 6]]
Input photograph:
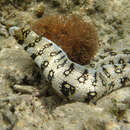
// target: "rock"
[[77, 116], [16, 67], [23, 111], [3, 32], [20, 66]]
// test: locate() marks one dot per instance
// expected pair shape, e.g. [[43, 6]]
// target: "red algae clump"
[[75, 36]]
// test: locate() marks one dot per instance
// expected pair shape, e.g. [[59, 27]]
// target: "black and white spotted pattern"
[[109, 71]]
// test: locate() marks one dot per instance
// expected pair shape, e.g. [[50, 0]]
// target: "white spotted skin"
[[110, 72]]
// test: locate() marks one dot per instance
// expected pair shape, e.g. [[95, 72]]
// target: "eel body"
[[109, 71]]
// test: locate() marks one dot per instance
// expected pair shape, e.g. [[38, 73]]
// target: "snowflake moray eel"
[[109, 71]]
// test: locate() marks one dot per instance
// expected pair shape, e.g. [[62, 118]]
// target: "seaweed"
[[76, 37]]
